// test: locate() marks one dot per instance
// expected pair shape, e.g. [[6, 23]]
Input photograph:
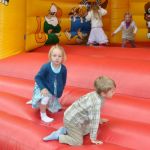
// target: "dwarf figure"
[[51, 24], [147, 17], [79, 26], [86, 4]]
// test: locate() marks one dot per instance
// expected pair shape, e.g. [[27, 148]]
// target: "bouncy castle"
[[24, 45]]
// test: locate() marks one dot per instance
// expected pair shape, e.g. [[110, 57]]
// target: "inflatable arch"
[[23, 28]]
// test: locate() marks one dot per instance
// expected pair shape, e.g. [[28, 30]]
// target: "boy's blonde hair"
[[57, 46], [104, 84]]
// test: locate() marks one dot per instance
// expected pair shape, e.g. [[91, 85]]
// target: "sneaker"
[[55, 135], [62, 130]]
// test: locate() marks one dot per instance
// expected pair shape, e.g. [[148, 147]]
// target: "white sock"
[[45, 118]]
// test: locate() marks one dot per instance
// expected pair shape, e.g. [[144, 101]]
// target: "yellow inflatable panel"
[[118, 13], [121, 4], [42, 22], [68, 22], [31, 25], [31, 42], [142, 35], [139, 19], [137, 8], [12, 27]]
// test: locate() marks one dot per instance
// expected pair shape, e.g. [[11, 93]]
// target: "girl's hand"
[[97, 142], [44, 92]]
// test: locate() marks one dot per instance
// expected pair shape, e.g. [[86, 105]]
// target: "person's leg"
[[54, 104], [43, 107], [124, 41], [132, 42], [86, 128], [91, 38], [73, 137], [101, 37]]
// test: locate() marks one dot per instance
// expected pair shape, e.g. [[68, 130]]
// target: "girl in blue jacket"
[[49, 83]]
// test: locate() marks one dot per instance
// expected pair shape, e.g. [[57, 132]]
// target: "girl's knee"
[[45, 100]]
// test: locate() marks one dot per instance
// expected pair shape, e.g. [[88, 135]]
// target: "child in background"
[[49, 83], [129, 30], [97, 35], [83, 116]]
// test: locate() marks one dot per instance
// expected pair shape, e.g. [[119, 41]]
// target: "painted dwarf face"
[[53, 20]]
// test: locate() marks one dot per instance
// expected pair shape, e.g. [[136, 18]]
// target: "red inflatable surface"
[[128, 111]]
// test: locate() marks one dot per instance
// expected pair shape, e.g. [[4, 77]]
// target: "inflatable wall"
[[28, 24], [12, 27]]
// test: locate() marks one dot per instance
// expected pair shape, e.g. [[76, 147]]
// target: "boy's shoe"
[[55, 135]]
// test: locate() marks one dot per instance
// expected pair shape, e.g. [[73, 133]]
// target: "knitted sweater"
[[45, 78], [127, 33]]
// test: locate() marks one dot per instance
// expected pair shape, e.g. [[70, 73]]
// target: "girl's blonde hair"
[[128, 14], [95, 7], [104, 84], [57, 46], [95, 10]]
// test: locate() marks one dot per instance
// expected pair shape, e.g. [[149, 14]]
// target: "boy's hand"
[[97, 142], [103, 120], [44, 92]]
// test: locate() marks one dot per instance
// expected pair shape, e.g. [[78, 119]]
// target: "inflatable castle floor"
[[128, 111]]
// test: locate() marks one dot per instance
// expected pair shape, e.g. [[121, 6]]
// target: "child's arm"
[[64, 75], [41, 76], [102, 11], [135, 28], [118, 29], [94, 115], [89, 15]]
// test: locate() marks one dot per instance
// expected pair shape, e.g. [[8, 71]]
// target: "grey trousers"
[[132, 43], [74, 134]]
